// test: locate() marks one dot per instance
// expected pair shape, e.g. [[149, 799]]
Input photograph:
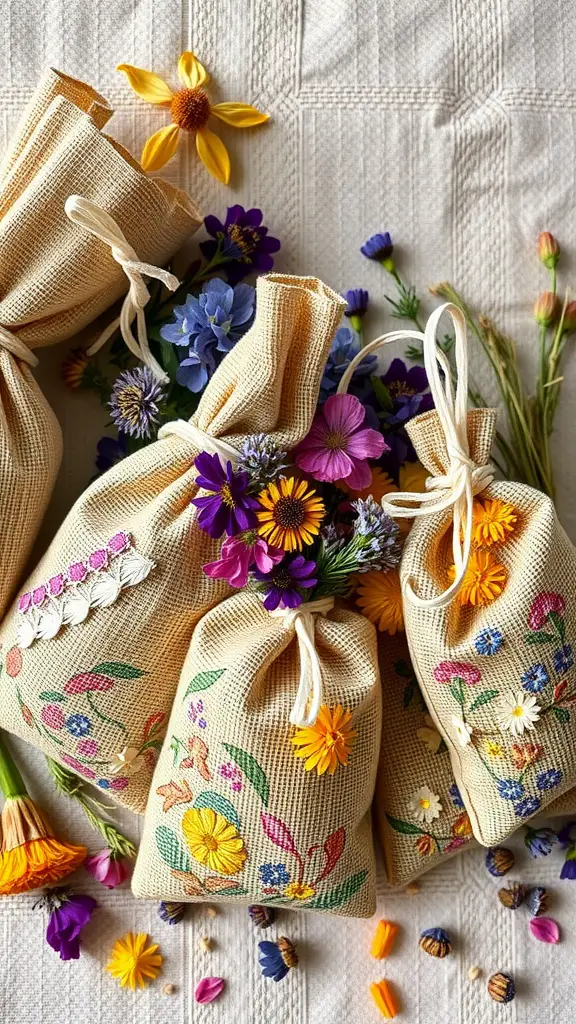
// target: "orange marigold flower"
[[426, 845], [379, 598], [493, 521], [30, 855], [525, 754], [328, 742], [413, 476], [461, 826], [484, 580]]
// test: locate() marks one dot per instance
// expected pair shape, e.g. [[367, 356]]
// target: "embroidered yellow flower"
[[484, 580], [213, 840], [461, 826], [379, 598], [494, 749], [328, 742], [426, 845], [291, 514], [190, 109], [492, 521], [133, 961], [299, 891]]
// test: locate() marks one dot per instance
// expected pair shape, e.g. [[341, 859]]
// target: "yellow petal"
[[160, 148], [213, 154], [239, 115], [191, 72], [147, 85]]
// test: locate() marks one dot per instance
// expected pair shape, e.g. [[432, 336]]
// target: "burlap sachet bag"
[[96, 640], [234, 814], [56, 276]]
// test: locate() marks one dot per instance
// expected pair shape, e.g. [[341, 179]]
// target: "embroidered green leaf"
[[405, 827], [203, 680], [237, 891], [340, 894], [483, 698], [562, 714], [457, 689], [52, 695], [252, 770], [539, 638], [558, 621], [219, 804], [170, 850], [118, 670]]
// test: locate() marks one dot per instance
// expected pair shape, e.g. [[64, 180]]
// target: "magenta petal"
[[366, 444], [56, 585], [25, 602], [344, 413], [208, 989], [98, 559], [77, 572], [39, 595], [545, 929], [360, 476], [119, 542]]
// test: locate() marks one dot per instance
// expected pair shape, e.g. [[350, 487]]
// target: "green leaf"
[[118, 670], [340, 894], [382, 394], [408, 694], [483, 698], [562, 714], [559, 623], [53, 695], [457, 690], [170, 850], [252, 770], [405, 827], [402, 668], [539, 638], [219, 804], [203, 680]]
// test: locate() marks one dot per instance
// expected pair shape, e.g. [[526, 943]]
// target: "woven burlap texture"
[[54, 278], [498, 792], [129, 655], [295, 826]]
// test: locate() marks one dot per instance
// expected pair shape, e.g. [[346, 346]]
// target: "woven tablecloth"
[[451, 123]]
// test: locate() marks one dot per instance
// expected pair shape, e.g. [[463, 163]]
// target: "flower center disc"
[[335, 440], [282, 578], [210, 843], [190, 109], [289, 512], [245, 238], [226, 495]]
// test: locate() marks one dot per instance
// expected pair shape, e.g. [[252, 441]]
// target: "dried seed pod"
[[538, 900], [206, 944], [169, 989], [436, 942], [502, 988], [384, 938], [412, 889], [172, 913], [262, 917], [513, 896], [210, 910], [384, 998], [499, 861]]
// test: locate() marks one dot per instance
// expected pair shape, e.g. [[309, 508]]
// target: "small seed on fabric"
[[206, 944], [169, 989], [412, 889], [211, 911], [474, 973]]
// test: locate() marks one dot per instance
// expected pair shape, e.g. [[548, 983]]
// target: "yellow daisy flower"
[[327, 743], [412, 477], [493, 521], [74, 367], [213, 840], [379, 598], [379, 485], [494, 749], [299, 891], [484, 580], [133, 961], [291, 514], [190, 108]]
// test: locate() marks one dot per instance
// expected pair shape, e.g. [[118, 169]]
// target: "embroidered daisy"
[[429, 735], [463, 730], [493, 521], [518, 713], [424, 805]]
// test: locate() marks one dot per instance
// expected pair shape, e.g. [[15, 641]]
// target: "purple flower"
[[285, 581], [228, 508], [568, 843], [109, 451], [345, 346], [243, 239], [408, 390], [378, 247], [135, 400], [69, 915], [357, 299], [539, 841]]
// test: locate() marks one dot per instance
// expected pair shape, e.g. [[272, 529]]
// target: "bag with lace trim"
[[94, 645]]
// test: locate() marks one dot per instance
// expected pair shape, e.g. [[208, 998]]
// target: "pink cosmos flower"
[[106, 869], [85, 682], [541, 607], [447, 670], [239, 554], [337, 445]]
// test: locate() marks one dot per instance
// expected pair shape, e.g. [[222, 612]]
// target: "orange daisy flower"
[[493, 521], [379, 598], [327, 743], [484, 580]]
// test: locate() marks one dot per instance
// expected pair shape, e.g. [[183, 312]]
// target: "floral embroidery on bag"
[[68, 598], [430, 841]]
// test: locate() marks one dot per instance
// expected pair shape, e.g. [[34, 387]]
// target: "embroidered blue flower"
[[535, 678], [455, 797], [549, 779], [526, 807], [78, 725], [488, 641], [103, 783], [510, 789], [274, 874], [563, 659]]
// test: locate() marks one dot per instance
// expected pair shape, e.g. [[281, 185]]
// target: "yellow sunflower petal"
[[147, 85], [160, 148], [191, 72], [213, 154], [239, 115]]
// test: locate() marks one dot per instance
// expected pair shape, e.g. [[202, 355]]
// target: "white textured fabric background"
[[451, 123]]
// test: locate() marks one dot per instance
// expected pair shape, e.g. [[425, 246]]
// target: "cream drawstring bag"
[[234, 813], [490, 609], [95, 643], [56, 276]]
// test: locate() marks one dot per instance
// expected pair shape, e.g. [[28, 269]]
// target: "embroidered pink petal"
[[56, 585], [98, 559], [208, 989], [25, 602], [77, 572], [545, 929], [85, 682], [39, 595], [120, 783], [119, 542]]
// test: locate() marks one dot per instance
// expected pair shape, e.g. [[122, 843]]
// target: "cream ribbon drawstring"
[[310, 690], [97, 222], [11, 342], [200, 440], [464, 478]]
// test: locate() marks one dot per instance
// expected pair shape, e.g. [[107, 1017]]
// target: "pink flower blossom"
[[77, 572], [98, 559], [239, 554], [56, 585], [337, 446], [447, 670], [87, 748], [119, 542], [121, 782], [455, 844], [77, 767], [39, 595], [84, 682], [24, 602], [106, 869], [52, 716], [541, 607]]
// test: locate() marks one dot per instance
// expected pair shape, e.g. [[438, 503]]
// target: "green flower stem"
[[73, 787], [487, 766], [11, 782]]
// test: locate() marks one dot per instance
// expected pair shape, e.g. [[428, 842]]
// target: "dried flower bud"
[[384, 938], [545, 309], [169, 989], [384, 998], [548, 250], [570, 317], [412, 889]]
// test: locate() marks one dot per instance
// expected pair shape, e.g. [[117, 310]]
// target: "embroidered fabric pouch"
[[245, 807], [94, 645], [55, 279]]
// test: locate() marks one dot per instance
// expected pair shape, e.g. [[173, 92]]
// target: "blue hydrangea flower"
[[540, 841], [274, 874], [489, 641], [510, 789], [535, 678], [526, 807], [455, 797], [342, 351], [563, 659], [78, 725], [378, 247], [549, 779]]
